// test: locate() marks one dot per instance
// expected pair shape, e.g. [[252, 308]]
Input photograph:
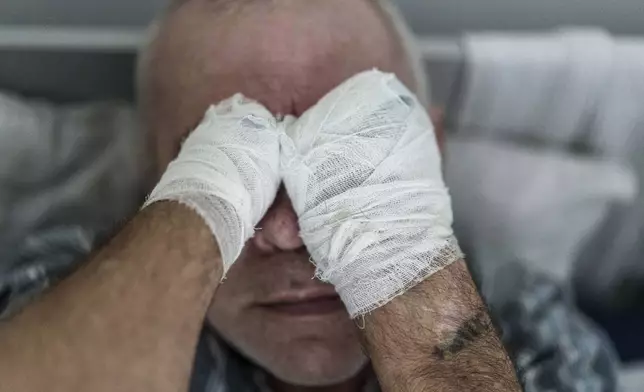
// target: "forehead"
[[286, 54]]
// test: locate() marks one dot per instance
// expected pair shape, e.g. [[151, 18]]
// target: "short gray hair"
[[410, 47]]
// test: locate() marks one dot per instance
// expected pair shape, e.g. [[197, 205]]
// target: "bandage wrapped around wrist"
[[227, 171], [363, 170]]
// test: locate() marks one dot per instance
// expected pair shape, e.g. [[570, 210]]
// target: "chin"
[[315, 366], [307, 354]]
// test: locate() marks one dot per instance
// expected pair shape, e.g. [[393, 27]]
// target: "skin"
[[140, 302], [438, 337], [204, 53], [128, 320]]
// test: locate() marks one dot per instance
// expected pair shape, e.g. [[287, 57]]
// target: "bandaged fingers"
[[363, 170], [227, 171]]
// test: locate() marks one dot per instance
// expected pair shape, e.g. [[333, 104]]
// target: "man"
[[270, 325]]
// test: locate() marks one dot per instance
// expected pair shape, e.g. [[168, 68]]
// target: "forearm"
[[128, 320], [438, 337]]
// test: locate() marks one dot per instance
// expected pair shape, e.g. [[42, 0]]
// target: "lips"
[[306, 302]]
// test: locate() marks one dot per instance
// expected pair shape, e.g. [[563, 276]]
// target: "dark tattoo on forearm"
[[470, 331]]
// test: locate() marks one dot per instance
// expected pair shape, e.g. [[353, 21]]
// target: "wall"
[[427, 16], [80, 76], [452, 16], [78, 12]]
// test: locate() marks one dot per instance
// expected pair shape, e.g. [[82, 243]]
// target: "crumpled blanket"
[[67, 176]]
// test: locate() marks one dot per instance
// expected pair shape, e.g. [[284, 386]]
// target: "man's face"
[[286, 55]]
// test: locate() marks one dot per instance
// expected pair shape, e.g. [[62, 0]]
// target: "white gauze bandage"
[[363, 170], [227, 171]]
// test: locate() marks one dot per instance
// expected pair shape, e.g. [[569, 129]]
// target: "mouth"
[[304, 303]]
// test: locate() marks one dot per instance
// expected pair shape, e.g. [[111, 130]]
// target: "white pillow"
[[515, 203]]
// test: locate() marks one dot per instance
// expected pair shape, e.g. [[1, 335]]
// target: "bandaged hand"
[[227, 171], [363, 171]]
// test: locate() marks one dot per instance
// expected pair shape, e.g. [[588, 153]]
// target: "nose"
[[279, 230]]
